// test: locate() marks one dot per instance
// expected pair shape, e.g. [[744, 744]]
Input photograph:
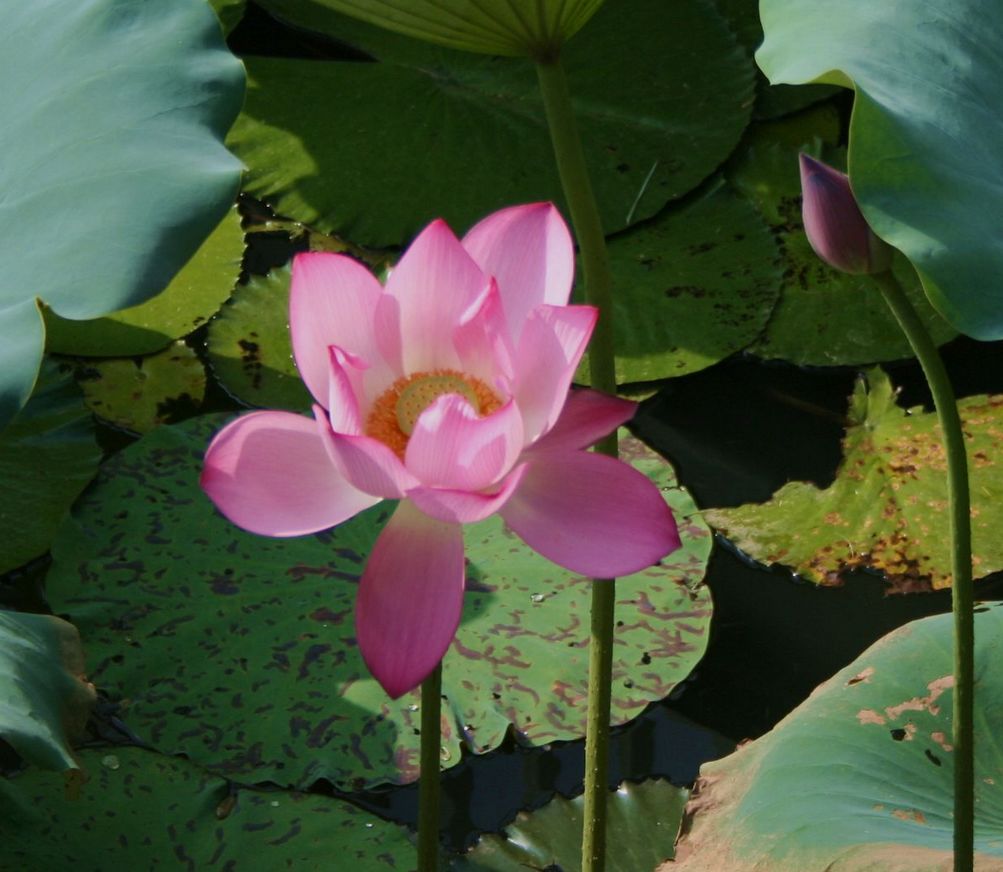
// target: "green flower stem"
[[428, 784], [584, 217], [598, 284], [962, 593]]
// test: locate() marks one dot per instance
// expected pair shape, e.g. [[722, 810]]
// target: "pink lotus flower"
[[448, 390]]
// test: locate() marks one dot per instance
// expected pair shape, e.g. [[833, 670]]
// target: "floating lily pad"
[[142, 810], [643, 822], [692, 287], [46, 700], [887, 508], [824, 317], [140, 393], [249, 346], [113, 167], [191, 298], [662, 94], [239, 650], [924, 136], [47, 456], [860, 776]]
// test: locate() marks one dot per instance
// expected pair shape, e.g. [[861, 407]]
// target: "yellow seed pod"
[[418, 395]]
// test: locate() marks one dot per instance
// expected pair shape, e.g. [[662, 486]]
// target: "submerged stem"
[[962, 593], [428, 784], [598, 292]]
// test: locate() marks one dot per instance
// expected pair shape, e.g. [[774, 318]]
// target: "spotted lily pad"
[[249, 346], [46, 700], [860, 776], [140, 393], [193, 295], [662, 94], [924, 136], [692, 287], [887, 508], [113, 167], [142, 810], [47, 456], [239, 651], [643, 822], [824, 317]]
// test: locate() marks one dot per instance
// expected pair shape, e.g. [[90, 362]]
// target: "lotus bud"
[[836, 229]]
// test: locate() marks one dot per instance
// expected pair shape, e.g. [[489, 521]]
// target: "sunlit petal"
[[332, 299], [528, 250], [591, 514], [269, 472], [410, 598]]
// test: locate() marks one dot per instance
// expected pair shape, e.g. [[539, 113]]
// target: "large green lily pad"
[[887, 508], [48, 454], [113, 168], [824, 317], [924, 137], [239, 650], [142, 810], [249, 346], [193, 295], [860, 776], [643, 822], [46, 700], [692, 287], [662, 94]]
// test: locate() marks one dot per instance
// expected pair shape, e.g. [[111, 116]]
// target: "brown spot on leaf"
[[869, 716], [863, 676], [923, 703], [941, 739]]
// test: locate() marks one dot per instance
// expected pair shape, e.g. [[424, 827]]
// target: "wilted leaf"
[[887, 508]]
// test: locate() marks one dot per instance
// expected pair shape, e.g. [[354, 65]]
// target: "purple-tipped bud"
[[836, 229]]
